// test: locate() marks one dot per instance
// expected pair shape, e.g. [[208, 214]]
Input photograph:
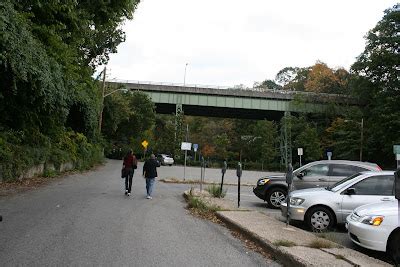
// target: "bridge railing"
[[239, 88]]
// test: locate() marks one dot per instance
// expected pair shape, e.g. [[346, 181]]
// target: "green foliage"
[[377, 85], [215, 191]]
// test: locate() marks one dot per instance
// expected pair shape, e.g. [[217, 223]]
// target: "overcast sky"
[[231, 42]]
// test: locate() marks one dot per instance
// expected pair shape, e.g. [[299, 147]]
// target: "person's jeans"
[[150, 185], [128, 180]]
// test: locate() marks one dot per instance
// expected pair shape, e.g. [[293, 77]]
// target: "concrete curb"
[[266, 231], [282, 256], [176, 181]]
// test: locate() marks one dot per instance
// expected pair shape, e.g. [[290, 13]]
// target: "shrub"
[[215, 191]]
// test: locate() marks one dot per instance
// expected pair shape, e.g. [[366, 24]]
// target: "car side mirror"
[[300, 175], [350, 191]]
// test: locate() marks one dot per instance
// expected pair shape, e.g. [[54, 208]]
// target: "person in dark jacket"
[[130, 164], [150, 173]]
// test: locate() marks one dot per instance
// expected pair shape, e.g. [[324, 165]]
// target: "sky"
[[232, 42]]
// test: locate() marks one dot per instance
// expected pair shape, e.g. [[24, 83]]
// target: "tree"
[[266, 146], [377, 85], [268, 84], [322, 79]]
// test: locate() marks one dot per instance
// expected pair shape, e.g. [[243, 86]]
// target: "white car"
[[166, 159], [322, 208], [377, 227]]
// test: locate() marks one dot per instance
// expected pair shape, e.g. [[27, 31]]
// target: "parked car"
[[273, 189], [377, 227], [322, 208], [165, 159]]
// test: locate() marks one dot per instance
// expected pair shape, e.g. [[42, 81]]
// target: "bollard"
[[289, 180], [224, 167], [239, 175]]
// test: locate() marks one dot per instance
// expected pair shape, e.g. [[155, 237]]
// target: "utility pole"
[[361, 139], [102, 98]]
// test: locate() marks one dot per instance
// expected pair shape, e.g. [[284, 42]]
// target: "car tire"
[[394, 247], [275, 196], [320, 219]]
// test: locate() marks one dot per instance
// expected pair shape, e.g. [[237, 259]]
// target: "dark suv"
[[273, 189]]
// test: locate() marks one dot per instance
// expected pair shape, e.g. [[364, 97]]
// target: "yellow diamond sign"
[[145, 144]]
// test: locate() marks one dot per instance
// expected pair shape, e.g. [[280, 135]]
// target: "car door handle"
[[385, 199], [322, 179]]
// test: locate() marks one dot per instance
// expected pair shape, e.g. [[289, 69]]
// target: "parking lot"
[[249, 200]]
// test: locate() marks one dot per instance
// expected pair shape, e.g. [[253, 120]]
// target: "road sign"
[[145, 144], [186, 146], [329, 154], [396, 149], [300, 151], [195, 147]]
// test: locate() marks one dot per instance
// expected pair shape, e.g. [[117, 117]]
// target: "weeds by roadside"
[[321, 243], [215, 191], [284, 243], [200, 208]]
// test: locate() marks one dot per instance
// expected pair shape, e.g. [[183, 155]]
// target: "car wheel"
[[275, 197], [394, 247], [320, 219]]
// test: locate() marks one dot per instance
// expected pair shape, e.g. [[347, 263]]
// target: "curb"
[[283, 257], [169, 181]]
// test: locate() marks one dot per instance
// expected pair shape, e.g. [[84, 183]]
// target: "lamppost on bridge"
[[184, 76]]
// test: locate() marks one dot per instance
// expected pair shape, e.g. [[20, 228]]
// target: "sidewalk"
[[290, 245]]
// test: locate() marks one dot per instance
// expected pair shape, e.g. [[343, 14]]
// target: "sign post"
[[396, 151], [144, 144], [224, 167], [239, 174], [185, 146], [289, 180], [195, 148], [300, 153]]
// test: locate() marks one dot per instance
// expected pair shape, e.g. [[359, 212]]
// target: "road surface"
[[85, 219]]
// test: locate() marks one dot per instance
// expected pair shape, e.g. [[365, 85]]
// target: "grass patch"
[[340, 257], [284, 243], [327, 235], [202, 209], [321, 243], [215, 191]]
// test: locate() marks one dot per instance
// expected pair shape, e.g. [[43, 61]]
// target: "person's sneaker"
[[148, 197], [126, 192], [129, 194]]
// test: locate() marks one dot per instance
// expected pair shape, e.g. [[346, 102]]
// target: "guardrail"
[[235, 88]]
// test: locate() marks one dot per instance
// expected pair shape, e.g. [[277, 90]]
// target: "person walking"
[[150, 173], [130, 164]]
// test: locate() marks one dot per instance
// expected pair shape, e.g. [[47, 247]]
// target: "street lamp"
[[362, 134], [105, 95], [184, 77]]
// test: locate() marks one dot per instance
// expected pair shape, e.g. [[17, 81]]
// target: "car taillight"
[[379, 168]]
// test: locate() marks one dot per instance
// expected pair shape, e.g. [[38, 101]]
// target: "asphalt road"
[[85, 219]]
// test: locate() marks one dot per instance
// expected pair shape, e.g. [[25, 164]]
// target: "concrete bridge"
[[215, 101]]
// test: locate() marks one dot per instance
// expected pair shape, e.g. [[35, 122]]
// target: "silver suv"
[[323, 173]]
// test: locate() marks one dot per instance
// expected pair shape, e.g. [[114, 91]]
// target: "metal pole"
[[184, 168], [184, 77], [300, 160], [102, 98], [362, 137], [201, 173], [239, 174]]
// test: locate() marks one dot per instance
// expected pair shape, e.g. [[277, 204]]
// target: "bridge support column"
[[286, 139]]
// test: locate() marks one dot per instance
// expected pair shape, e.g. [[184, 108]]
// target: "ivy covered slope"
[[49, 102]]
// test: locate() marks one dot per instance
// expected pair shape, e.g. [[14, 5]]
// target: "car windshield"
[[342, 183]]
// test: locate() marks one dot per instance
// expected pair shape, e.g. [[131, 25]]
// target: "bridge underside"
[[221, 112]]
